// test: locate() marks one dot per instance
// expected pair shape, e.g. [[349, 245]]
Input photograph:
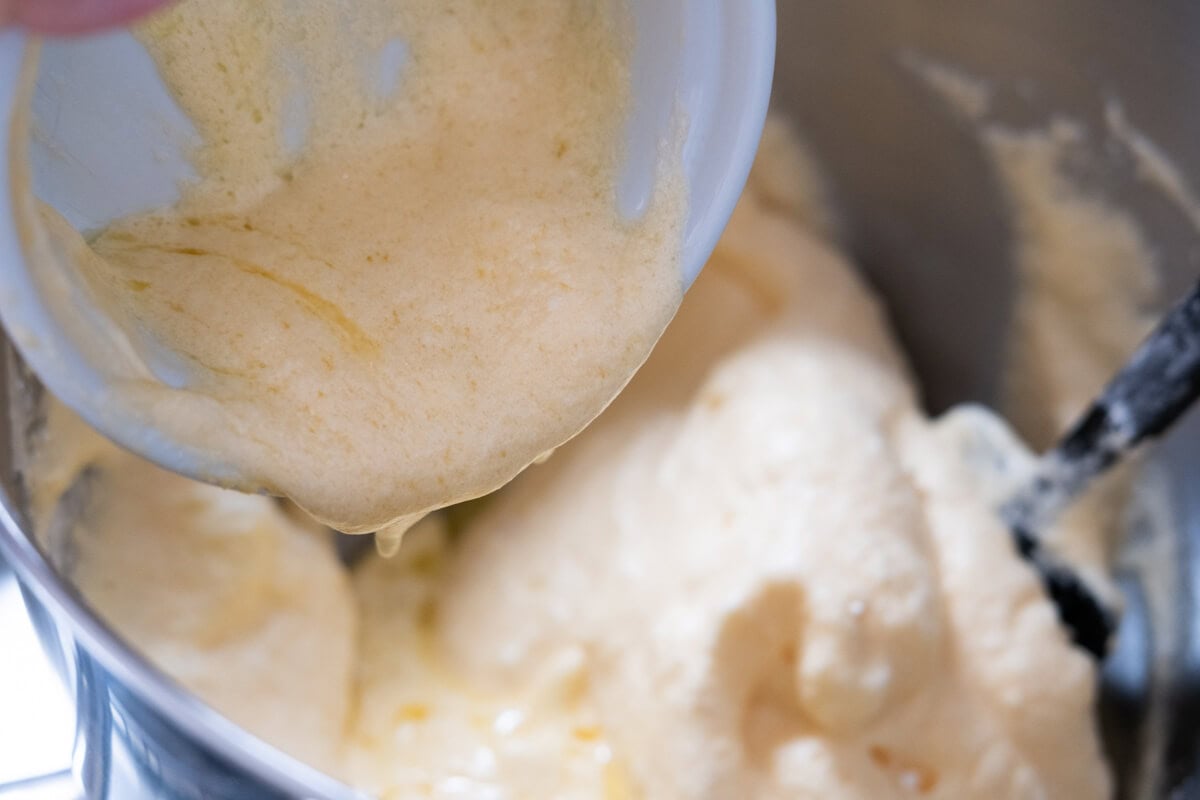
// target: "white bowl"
[[101, 138]]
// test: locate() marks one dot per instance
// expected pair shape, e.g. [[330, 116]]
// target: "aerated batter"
[[402, 275], [762, 573]]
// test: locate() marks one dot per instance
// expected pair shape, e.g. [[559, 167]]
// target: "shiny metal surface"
[[922, 213], [138, 734], [36, 721]]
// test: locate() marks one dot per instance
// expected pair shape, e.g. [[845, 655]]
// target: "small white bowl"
[[87, 126]]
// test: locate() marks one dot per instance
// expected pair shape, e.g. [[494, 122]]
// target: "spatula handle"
[[1146, 397], [1154, 388]]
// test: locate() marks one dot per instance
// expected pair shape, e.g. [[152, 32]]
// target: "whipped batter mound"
[[762, 573], [787, 581], [401, 275]]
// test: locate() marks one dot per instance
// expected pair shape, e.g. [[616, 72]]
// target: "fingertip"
[[71, 17]]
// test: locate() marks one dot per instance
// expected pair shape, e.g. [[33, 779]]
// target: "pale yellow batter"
[[762, 573], [432, 290], [788, 583]]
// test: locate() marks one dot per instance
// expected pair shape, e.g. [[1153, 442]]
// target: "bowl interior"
[[919, 208], [924, 216]]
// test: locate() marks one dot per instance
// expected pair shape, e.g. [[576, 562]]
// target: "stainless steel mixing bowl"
[[924, 216]]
